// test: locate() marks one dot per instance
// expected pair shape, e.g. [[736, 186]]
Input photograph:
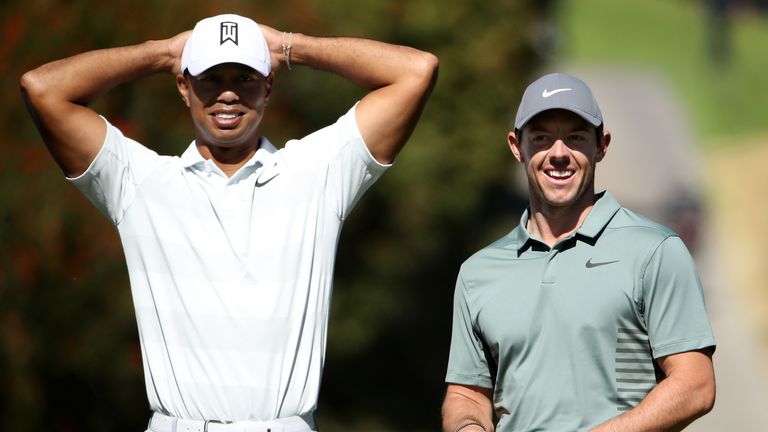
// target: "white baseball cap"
[[226, 38]]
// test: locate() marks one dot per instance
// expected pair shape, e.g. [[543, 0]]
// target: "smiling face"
[[559, 151], [227, 103]]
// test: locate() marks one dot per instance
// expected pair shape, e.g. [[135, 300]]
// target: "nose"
[[228, 96], [559, 150], [559, 154]]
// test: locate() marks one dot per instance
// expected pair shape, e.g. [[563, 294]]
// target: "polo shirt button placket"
[[550, 268]]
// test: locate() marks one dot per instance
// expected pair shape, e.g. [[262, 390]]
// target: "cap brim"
[[196, 68], [594, 121]]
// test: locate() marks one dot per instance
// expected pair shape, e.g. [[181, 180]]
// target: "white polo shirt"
[[231, 277]]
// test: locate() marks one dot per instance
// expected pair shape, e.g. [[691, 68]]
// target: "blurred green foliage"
[[69, 354], [717, 64]]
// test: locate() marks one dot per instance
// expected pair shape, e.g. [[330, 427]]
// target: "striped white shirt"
[[231, 277]]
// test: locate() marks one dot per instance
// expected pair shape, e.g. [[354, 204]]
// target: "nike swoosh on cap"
[[547, 94]]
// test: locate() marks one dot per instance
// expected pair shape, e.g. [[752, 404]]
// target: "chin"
[[231, 138], [229, 141], [560, 200]]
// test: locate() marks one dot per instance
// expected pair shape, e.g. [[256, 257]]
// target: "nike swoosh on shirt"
[[547, 94], [590, 264]]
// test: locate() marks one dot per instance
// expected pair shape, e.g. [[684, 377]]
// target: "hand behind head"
[[175, 49]]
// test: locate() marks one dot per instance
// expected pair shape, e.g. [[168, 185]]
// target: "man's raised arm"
[[57, 95], [400, 79]]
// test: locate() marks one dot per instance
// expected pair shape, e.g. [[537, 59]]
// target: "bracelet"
[[287, 49], [471, 423]]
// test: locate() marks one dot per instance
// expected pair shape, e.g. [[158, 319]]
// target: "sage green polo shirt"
[[567, 336]]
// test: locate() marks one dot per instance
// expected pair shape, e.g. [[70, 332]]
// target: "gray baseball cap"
[[558, 91]]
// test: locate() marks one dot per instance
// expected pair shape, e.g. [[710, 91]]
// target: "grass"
[[671, 37]]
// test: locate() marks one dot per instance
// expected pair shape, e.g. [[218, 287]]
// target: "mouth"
[[227, 119], [227, 116], [559, 174]]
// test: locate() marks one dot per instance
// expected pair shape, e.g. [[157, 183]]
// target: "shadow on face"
[[230, 83]]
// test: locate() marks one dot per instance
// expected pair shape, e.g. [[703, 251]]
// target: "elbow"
[[428, 66], [430, 63], [40, 93], [706, 398], [702, 400], [424, 68], [31, 86], [28, 82]]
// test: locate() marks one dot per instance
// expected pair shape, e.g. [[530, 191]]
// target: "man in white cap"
[[230, 247], [586, 316]]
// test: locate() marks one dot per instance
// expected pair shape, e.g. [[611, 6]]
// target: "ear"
[[602, 146], [183, 85], [268, 82], [514, 145]]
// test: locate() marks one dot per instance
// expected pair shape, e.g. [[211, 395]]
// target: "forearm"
[[671, 406], [367, 63], [466, 410], [82, 78]]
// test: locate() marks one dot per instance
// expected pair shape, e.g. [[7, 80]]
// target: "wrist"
[[290, 50], [471, 426], [158, 54], [287, 47]]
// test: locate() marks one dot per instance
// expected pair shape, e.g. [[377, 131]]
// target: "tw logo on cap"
[[228, 32]]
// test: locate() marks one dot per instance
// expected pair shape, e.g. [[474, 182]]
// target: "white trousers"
[[164, 423]]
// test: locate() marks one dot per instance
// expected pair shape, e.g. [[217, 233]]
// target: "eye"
[[540, 139], [576, 138], [247, 78]]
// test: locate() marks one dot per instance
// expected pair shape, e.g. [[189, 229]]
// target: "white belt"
[[164, 423]]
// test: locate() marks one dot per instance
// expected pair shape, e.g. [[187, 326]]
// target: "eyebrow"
[[218, 73], [534, 127]]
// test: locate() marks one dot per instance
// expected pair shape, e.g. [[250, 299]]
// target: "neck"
[[552, 224], [228, 159]]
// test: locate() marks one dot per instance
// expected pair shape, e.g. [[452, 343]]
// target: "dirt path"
[[739, 208], [736, 267]]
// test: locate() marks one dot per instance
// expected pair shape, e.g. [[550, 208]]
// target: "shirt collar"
[[264, 157], [601, 213], [191, 156]]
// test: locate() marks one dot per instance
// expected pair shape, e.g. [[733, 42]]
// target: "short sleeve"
[[343, 158], [111, 180], [467, 362], [675, 312]]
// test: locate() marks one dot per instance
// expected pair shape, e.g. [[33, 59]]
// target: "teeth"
[[225, 115], [560, 174]]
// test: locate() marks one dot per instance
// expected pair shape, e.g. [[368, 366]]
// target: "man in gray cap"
[[586, 316], [230, 248]]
